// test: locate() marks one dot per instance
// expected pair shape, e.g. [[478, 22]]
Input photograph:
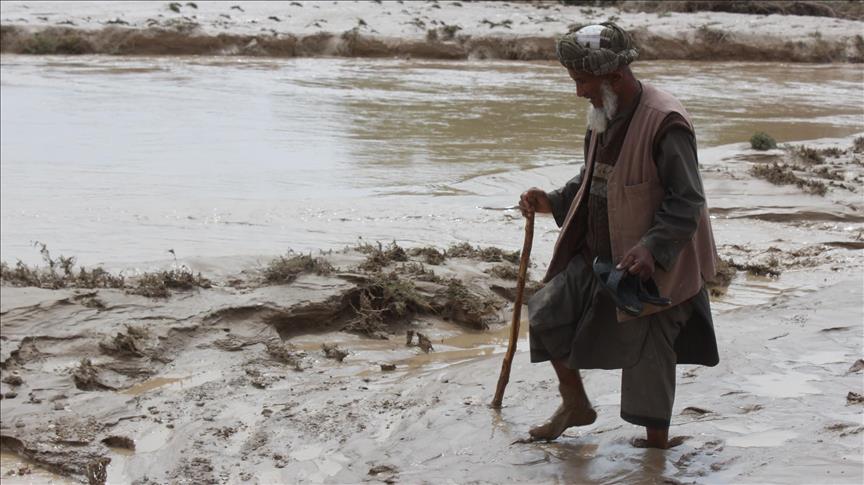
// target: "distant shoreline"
[[425, 30]]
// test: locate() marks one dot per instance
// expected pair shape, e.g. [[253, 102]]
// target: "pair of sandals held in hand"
[[628, 291]]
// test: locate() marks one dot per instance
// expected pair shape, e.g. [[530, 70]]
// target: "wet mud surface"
[[358, 366]]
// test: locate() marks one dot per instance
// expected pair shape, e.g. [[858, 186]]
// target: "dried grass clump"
[[725, 272], [488, 254], [782, 174], [379, 256], [858, 144], [430, 255], [457, 303], [383, 299], [504, 271], [807, 154], [160, 284], [770, 268], [57, 273], [418, 272], [129, 343], [286, 354], [285, 270], [333, 352]]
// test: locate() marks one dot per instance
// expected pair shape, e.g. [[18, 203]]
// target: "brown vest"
[[634, 194]]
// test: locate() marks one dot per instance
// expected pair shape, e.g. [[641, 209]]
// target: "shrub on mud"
[[807, 154], [430, 255], [488, 254], [782, 174], [285, 270], [457, 303], [504, 271], [379, 256], [384, 298], [57, 273], [725, 272], [762, 141], [160, 284]]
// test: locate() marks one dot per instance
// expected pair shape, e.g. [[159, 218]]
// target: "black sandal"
[[624, 288], [649, 293]]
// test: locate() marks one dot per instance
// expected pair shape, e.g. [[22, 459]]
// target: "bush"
[[762, 141]]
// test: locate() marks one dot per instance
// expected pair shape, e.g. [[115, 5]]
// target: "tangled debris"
[[61, 273], [807, 167], [783, 174], [384, 298], [487, 254], [160, 284], [504, 271], [333, 352], [57, 273], [130, 343], [430, 255], [422, 341], [285, 270], [725, 272], [457, 303], [286, 354], [87, 378], [378, 256]]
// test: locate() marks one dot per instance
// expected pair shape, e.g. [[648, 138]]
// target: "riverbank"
[[433, 30]]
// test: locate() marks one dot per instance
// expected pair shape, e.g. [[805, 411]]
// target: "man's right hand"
[[534, 200]]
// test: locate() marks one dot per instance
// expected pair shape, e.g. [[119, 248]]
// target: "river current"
[[117, 160]]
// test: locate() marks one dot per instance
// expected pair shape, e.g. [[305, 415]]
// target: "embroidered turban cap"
[[596, 49]]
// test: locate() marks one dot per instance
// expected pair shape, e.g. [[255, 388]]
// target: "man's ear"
[[614, 77]]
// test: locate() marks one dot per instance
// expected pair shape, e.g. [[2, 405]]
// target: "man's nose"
[[581, 91]]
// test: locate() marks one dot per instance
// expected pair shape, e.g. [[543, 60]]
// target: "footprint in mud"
[[693, 462], [856, 367], [673, 442], [695, 411], [385, 473]]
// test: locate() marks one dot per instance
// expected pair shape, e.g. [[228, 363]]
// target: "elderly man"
[[639, 203]]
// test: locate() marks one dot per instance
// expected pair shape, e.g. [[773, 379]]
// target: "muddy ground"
[[378, 363], [432, 29]]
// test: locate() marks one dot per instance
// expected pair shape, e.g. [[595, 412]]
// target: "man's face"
[[588, 86]]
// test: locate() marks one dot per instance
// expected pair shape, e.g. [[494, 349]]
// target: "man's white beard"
[[598, 118]]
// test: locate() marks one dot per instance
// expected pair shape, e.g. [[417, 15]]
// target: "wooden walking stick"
[[517, 311]]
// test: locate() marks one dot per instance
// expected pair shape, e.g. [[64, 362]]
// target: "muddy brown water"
[[120, 159]]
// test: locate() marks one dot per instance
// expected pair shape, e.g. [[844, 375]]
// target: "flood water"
[[118, 160]]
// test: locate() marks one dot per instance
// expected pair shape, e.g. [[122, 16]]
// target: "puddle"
[[308, 453], [150, 385], [12, 463], [117, 468], [792, 384], [153, 440], [764, 439], [172, 383]]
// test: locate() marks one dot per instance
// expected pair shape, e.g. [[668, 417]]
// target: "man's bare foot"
[[575, 410], [671, 443], [562, 419]]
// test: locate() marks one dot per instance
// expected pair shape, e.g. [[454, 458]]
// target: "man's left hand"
[[639, 261]]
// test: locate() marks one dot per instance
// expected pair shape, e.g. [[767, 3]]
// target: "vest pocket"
[[633, 213]]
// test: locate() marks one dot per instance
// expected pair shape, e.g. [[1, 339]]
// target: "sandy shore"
[[231, 383], [441, 30]]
